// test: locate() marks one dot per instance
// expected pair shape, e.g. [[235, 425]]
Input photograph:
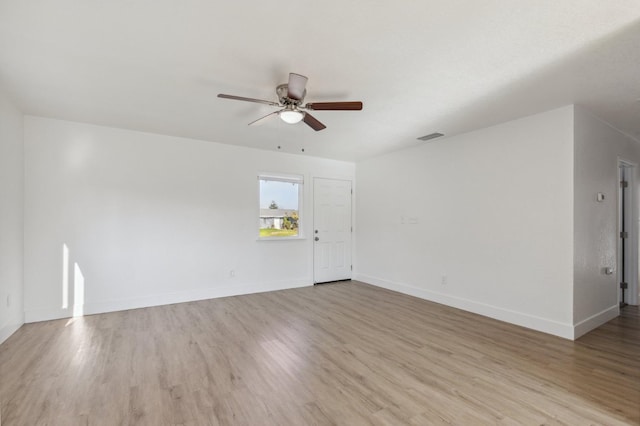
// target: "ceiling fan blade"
[[313, 122], [334, 106], [263, 119], [240, 98], [296, 86]]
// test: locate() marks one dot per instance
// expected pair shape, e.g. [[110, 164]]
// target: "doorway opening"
[[627, 236]]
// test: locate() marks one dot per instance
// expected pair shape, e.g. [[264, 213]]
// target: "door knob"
[[317, 239]]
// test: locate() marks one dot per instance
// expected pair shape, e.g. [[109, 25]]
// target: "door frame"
[[631, 211]]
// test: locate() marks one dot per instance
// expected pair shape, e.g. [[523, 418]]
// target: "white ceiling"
[[447, 66]]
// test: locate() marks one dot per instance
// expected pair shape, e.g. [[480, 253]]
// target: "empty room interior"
[[292, 213]]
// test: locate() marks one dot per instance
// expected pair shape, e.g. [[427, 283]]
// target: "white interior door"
[[331, 230]]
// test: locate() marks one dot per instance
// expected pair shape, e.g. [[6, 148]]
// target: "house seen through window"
[[280, 201]]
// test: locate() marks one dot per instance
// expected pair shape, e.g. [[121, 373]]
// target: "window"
[[280, 201]]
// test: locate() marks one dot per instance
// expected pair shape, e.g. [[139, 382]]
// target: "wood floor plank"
[[340, 354]]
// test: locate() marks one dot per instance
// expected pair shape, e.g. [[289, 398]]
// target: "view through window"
[[280, 199]]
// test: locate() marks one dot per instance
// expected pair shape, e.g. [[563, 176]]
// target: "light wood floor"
[[344, 353]]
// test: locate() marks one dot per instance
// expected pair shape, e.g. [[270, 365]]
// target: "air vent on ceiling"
[[430, 136]]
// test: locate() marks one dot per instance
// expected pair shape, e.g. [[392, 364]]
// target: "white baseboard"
[[7, 330], [513, 317], [99, 307], [595, 321]]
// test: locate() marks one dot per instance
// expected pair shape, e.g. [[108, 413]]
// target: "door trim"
[[632, 225]]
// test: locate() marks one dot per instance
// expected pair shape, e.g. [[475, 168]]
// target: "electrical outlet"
[[444, 279], [232, 273]]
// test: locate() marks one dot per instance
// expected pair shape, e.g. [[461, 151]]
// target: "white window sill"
[[280, 238]]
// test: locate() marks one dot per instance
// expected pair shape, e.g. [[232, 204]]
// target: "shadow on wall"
[[72, 295]]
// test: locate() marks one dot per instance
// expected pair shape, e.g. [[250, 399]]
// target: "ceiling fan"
[[291, 95]]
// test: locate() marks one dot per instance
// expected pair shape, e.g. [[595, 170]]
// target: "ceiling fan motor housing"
[[283, 90]]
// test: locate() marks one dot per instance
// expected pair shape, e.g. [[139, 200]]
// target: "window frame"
[[284, 177]]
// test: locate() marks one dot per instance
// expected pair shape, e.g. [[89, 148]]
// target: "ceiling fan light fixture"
[[291, 116]]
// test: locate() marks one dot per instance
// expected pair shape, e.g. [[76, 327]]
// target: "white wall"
[[507, 214], [11, 218], [494, 213], [150, 219], [598, 147]]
